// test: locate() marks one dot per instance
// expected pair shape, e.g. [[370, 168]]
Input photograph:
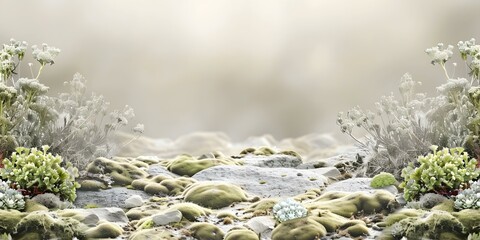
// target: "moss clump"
[[121, 170], [470, 218], [104, 230], [190, 211], [91, 185], [354, 228], [186, 165], [167, 186], [206, 231], [49, 226], [382, 180], [155, 233], [263, 206], [350, 204], [241, 234], [9, 219], [431, 225], [32, 206], [214, 195], [299, 228], [329, 220]]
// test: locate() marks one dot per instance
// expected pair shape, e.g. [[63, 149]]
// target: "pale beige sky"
[[242, 67]]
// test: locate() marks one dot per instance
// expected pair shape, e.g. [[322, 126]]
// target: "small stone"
[[261, 225], [165, 218], [134, 201]]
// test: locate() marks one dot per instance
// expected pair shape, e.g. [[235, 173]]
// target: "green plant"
[[444, 172], [383, 179], [76, 124], [36, 171], [474, 236], [402, 129]]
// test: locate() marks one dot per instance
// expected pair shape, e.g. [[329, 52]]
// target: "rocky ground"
[[203, 186]]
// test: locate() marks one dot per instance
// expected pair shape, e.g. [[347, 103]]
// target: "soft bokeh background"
[[246, 68]]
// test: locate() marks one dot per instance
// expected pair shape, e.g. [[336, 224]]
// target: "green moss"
[[383, 179], [155, 188], [104, 230], [49, 226], [9, 219], [350, 204], [355, 228], [241, 234], [329, 220], [156, 233], [185, 165], [92, 185], [121, 170], [432, 225], [265, 205], [470, 218], [143, 211], [402, 214], [206, 231], [190, 211], [299, 228], [225, 214], [214, 195], [447, 205], [91, 205], [31, 206]]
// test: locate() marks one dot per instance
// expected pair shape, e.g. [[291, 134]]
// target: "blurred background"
[[246, 68]]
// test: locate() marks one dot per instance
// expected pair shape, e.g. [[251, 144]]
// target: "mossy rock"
[[263, 206], [301, 228], [402, 214], [350, 204], [382, 180], [121, 170], [190, 211], [214, 195], [168, 186], [155, 233], [32, 206], [310, 194], [354, 228], [50, 226], [431, 225], [262, 151], [241, 234], [9, 219], [91, 185], [329, 220], [143, 211], [447, 205], [104, 230], [470, 218], [206, 231], [186, 165]]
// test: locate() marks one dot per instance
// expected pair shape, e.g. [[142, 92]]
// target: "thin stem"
[[445, 70], [40, 71]]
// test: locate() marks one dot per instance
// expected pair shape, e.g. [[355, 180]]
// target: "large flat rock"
[[269, 182]]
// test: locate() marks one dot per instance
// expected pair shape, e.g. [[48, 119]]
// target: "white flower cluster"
[[10, 198], [469, 198], [439, 54], [46, 54], [7, 54], [288, 210]]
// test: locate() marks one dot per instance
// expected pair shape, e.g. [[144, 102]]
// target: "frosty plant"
[[10, 198], [444, 172], [76, 124], [288, 210], [404, 127], [469, 198], [36, 171]]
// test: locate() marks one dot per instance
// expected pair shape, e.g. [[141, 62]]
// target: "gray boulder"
[[271, 161], [357, 185], [113, 197], [165, 218]]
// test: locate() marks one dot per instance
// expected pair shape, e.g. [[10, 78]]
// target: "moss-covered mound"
[[48, 225], [241, 234], [163, 185], [262, 207], [426, 225], [155, 233], [350, 204], [190, 211], [9, 219], [214, 195], [206, 231], [186, 165], [122, 170], [104, 230], [301, 228]]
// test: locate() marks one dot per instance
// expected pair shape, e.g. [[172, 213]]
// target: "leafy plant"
[[76, 124], [288, 210], [36, 172], [10, 198], [469, 198], [383, 179], [402, 129], [444, 172]]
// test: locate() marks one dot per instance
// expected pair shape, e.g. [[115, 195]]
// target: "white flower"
[[45, 55]]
